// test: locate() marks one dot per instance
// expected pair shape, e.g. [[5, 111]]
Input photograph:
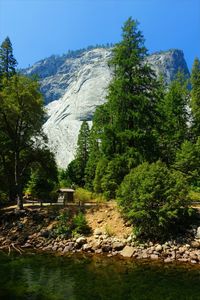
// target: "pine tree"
[[132, 107], [195, 97], [132, 97], [174, 127], [83, 143], [7, 61], [76, 169]]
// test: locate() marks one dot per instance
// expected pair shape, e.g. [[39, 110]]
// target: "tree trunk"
[[19, 202], [17, 185]]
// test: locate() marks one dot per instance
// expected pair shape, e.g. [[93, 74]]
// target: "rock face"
[[168, 63], [74, 86]]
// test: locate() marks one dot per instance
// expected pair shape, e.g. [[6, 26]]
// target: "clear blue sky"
[[40, 28]]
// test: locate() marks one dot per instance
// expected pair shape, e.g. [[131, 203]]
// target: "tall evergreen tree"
[[83, 143], [195, 97], [76, 169], [132, 96], [174, 127], [7, 61]]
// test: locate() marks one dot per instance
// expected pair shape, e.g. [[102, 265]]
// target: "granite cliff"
[[73, 86]]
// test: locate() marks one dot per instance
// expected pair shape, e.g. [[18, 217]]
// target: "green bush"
[[63, 226], [71, 223], [82, 195], [79, 224], [155, 200]]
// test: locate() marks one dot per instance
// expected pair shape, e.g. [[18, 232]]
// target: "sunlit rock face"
[[168, 63], [74, 87]]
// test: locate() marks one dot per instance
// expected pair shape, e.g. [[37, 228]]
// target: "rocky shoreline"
[[101, 243]]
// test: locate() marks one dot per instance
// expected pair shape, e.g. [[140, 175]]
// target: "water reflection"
[[82, 278]]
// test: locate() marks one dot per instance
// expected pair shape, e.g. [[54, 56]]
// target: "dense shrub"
[[155, 200]]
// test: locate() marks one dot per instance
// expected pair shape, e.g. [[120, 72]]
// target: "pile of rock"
[[101, 242]]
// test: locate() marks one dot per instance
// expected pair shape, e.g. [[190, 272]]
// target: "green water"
[[34, 276]]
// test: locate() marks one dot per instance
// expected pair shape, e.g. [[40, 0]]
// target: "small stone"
[[193, 256], [54, 248], [47, 248], [193, 261], [154, 256], [127, 251], [68, 247], [86, 247], [81, 240], [27, 245], [195, 244], [118, 246], [97, 231], [167, 260], [198, 233], [144, 255], [158, 248], [109, 255], [106, 248], [183, 259], [98, 251], [181, 250]]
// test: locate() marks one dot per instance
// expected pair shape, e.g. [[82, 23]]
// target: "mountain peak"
[[75, 84]]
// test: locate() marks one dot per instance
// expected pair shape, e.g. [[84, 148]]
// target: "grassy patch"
[[83, 195], [194, 196]]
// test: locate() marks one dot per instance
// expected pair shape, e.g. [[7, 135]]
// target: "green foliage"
[[155, 199], [194, 196], [125, 126], [79, 224], [21, 118], [43, 179], [63, 179], [76, 169], [82, 195], [7, 61], [174, 128], [132, 95], [93, 157], [113, 176], [63, 225], [188, 162], [100, 171], [195, 97], [70, 223]]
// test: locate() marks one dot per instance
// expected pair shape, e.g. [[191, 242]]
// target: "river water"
[[43, 276]]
